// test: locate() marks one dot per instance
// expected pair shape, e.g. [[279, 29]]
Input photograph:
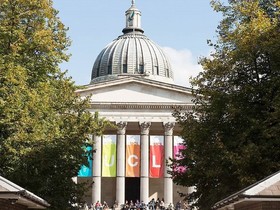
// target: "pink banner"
[[178, 147], [156, 156]]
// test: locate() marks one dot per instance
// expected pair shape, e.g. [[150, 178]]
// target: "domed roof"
[[132, 53]]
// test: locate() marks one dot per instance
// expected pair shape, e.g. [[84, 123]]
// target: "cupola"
[[132, 53]]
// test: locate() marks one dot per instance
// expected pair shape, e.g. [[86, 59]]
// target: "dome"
[[132, 53]]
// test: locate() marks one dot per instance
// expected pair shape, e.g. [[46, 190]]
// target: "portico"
[[132, 86], [143, 111]]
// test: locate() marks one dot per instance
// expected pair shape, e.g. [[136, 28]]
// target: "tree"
[[232, 134], [44, 124]]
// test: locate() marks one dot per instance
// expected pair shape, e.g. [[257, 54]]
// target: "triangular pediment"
[[137, 90]]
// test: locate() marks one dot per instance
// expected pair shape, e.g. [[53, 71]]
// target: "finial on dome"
[[132, 2]]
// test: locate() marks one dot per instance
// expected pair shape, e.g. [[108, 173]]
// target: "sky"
[[180, 27]]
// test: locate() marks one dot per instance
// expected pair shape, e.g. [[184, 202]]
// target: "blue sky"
[[180, 27]]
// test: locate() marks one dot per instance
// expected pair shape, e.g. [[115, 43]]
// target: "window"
[[110, 69], [156, 70], [124, 68], [97, 72], [141, 69]]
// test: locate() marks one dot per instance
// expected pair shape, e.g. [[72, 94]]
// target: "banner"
[[109, 156], [156, 156], [178, 146], [86, 171], [133, 156]]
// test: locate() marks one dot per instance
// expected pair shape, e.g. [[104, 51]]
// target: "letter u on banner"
[[109, 156], [156, 156], [133, 156]]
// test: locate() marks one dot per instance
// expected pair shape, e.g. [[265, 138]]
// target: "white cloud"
[[183, 64]]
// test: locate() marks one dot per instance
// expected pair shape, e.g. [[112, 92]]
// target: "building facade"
[[132, 86]]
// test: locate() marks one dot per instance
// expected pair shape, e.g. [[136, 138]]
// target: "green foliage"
[[43, 122], [232, 134]]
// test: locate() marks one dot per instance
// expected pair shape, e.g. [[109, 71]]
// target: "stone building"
[[132, 86], [262, 195], [14, 197]]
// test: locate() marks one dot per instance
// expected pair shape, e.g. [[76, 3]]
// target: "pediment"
[[134, 90]]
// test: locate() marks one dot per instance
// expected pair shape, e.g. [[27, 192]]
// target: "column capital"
[[168, 128], [121, 127], [145, 127]]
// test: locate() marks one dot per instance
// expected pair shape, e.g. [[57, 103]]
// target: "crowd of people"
[[96, 206], [137, 205]]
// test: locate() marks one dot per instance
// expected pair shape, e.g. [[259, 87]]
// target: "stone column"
[[96, 166], [120, 185], [144, 174], [168, 153]]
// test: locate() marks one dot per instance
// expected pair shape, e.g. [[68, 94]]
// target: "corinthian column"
[[96, 173], [120, 185], [168, 153], [144, 180]]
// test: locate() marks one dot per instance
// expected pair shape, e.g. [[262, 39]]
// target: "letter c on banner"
[[129, 160], [106, 162]]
